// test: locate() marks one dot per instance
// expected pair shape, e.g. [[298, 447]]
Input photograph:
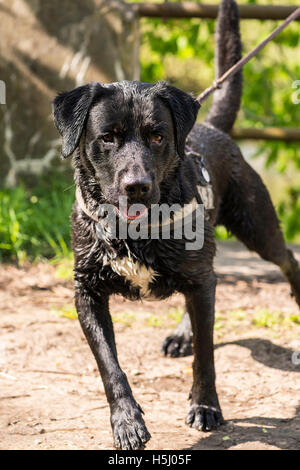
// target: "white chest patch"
[[137, 274]]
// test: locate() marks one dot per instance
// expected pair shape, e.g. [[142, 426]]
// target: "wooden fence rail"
[[287, 134], [199, 10]]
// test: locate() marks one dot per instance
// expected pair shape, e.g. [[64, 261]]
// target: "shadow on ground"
[[267, 353], [263, 430], [259, 432]]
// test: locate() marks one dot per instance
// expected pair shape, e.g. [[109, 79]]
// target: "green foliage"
[[35, 223], [221, 233], [289, 212]]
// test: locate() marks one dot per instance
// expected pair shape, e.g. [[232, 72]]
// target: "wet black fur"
[[132, 113]]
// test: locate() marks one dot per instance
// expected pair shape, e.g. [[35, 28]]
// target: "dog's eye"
[[109, 137], [157, 139]]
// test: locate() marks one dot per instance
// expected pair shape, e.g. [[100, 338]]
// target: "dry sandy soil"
[[51, 396]]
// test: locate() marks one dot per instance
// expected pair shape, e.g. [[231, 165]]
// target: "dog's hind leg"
[[247, 212], [179, 343], [204, 413]]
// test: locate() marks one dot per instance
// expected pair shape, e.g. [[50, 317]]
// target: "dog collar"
[[184, 212], [205, 196], [82, 205]]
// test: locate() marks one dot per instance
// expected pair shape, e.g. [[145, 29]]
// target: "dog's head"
[[131, 134]]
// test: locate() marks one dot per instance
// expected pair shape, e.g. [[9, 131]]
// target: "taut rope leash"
[[236, 67]]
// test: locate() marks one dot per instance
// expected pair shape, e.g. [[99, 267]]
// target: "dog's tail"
[[226, 101]]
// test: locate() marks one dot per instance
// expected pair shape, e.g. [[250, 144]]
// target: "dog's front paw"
[[129, 429], [204, 417]]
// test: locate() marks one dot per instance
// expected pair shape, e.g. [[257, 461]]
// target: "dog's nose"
[[138, 189]]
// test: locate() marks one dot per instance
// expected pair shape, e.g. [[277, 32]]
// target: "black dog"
[[130, 140]]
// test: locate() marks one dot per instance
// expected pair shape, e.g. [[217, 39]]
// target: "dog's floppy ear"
[[184, 109], [70, 111]]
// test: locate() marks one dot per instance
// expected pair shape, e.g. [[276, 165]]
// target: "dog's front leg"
[[204, 413], [127, 422]]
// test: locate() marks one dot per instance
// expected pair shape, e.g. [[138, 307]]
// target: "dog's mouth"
[[131, 213]]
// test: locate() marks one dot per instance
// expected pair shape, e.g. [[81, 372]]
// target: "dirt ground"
[[51, 396]]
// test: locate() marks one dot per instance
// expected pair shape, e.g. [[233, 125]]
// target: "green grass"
[[66, 311], [34, 223], [155, 321], [69, 311], [175, 314], [274, 319], [64, 267], [125, 318]]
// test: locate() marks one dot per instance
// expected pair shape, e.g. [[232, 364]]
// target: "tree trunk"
[[47, 47]]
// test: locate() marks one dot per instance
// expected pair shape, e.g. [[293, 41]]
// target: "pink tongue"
[[136, 216]]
